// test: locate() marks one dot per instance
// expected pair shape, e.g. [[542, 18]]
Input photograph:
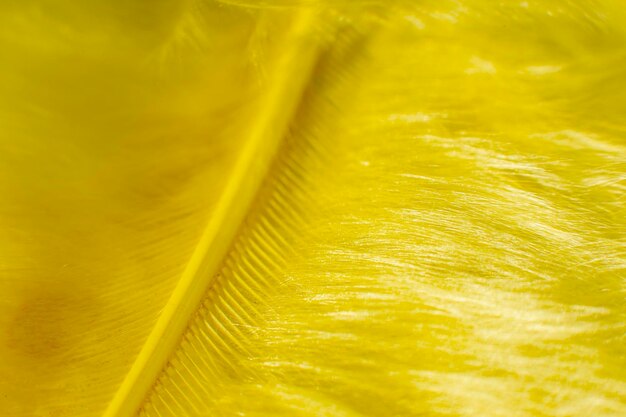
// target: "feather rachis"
[[264, 140]]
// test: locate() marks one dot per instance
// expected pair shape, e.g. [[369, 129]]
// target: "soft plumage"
[[440, 232]]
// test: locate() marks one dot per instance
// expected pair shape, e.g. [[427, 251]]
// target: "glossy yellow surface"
[[313, 208]]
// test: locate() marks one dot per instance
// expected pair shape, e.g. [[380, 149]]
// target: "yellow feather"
[[313, 208]]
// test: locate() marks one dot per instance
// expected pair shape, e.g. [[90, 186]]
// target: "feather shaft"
[[290, 76]]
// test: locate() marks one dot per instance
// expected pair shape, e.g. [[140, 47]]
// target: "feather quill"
[[289, 76]]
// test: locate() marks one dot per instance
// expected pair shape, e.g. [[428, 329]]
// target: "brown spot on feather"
[[47, 325]]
